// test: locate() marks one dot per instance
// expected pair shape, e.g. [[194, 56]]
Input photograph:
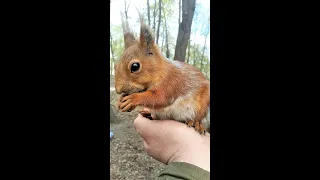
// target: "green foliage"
[[117, 41], [196, 59]]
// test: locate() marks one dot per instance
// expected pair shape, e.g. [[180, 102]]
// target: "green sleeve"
[[186, 171]]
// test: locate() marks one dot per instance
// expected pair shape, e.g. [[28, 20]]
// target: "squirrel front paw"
[[126, 104], [146, 113]]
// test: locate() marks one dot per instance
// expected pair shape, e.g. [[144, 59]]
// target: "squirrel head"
[[139, 66]]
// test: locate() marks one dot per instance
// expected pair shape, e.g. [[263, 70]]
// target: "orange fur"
[[163, 81]]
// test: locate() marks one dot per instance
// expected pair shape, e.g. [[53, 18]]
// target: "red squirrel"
[[166, 89]]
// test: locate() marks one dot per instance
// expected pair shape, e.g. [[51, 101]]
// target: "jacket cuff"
[[182, 170]]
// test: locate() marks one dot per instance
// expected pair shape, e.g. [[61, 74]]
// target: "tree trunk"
[[148, 12], [162, 39], [159, 20], [154, 16], [188, 7], [179, 11], [167, 43]]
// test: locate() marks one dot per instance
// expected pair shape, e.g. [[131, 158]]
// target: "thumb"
[[147, 128], [144, 126]]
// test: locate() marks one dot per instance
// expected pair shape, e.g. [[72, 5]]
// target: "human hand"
[[171, 141]]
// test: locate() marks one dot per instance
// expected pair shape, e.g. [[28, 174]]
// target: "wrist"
[[198, 156]]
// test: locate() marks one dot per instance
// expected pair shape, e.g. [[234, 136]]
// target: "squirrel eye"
[[135, 67]]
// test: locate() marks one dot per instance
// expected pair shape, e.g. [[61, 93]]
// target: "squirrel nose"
[[118, 89]]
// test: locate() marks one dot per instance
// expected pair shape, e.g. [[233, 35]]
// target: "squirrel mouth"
[[132, 92]]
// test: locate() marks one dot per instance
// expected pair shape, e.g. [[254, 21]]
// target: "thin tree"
[[148, 12], [159, 20], [195, 57], [203, 49], [188, 59], [179, 11], [112, 53], [206, 32], [167, 35], [154, 15], [188, 8], [162, 38], [126, 9]]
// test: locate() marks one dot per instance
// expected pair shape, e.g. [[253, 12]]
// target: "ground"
[[128, 159]]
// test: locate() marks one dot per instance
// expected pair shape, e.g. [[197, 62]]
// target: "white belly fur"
[[182, 109]]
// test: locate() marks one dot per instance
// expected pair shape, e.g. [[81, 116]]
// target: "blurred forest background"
[[181, 27]]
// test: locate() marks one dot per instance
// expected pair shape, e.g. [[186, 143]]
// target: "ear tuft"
[[129, 38], [146, 34], [146, 37]]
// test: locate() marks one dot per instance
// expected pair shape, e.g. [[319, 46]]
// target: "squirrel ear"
[[146, 36], [127, 34], [128, 39]]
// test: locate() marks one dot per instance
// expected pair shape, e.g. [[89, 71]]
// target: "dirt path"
[[128, 160]]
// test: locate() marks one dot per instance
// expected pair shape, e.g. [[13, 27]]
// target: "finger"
[[132, 108], [149, 129], [124, 104], [143, 125], [125, 98], [127, 107]]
